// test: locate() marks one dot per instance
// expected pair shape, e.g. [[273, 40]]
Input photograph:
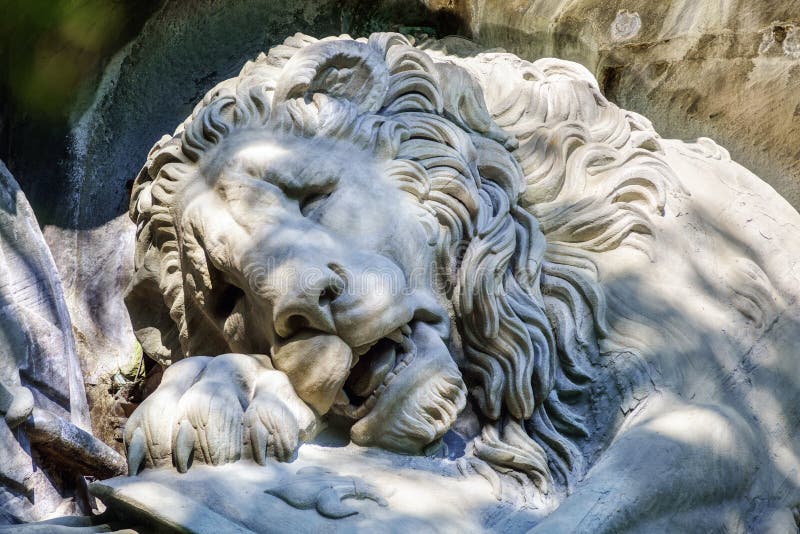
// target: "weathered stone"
[[38, 348], [666, 60], [146, 88], [325, 489], [728, 71], [45, 442], [72, 448], [358, 233]]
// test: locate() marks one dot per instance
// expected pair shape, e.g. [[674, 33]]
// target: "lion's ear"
[[349, 70], [152, 324]]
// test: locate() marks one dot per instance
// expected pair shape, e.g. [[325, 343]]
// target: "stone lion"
[[370, 234]]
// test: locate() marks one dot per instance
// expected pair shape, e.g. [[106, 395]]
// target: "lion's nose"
[[307, 305]]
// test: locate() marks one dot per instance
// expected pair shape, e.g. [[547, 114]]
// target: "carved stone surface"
[[728, 71], [357, 490], [692, 68], [45, 439], [479, 259]]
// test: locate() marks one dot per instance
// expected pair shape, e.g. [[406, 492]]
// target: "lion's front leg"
[[215, 411], [674, 458]]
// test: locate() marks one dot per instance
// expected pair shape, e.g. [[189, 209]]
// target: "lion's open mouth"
[[401, 392], [374, 367]]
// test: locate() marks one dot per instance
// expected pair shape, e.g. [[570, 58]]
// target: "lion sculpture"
[[401, 241]]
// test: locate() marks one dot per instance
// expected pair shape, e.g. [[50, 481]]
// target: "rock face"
[[363, 235], [45, 440]]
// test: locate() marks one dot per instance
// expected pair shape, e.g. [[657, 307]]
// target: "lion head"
[[393, 231]]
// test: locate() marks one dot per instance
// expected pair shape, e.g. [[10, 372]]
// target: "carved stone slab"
[[325, 489]]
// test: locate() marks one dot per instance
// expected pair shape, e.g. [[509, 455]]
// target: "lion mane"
[[500, 169]]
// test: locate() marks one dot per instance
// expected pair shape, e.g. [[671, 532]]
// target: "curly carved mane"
[[500, 173]]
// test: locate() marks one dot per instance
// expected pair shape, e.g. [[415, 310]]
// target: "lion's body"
[[627, 301], [711, 380], [699, 353]]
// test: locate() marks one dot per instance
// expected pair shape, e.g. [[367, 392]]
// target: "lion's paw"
[[271, 429], [214, 411], [209, 424], [148, 431], [277, 420]]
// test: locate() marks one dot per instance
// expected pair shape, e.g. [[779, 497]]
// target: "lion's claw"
[[258, 444], [148, 432], [136, 451], [183, 448]]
